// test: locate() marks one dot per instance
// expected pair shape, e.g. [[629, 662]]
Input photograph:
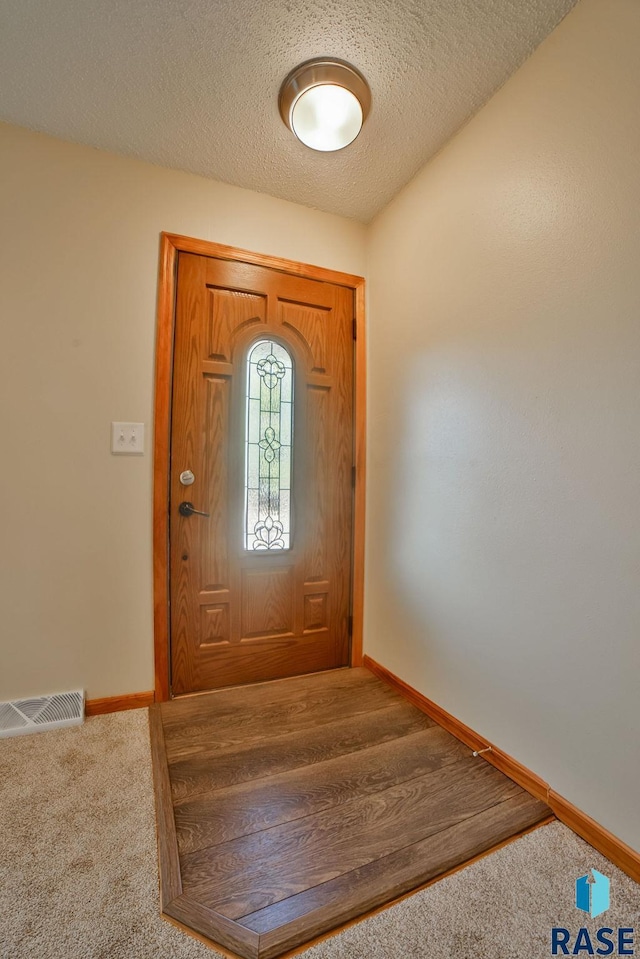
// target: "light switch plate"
[[127, 438]]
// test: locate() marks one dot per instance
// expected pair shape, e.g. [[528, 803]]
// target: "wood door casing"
[[239, 616]]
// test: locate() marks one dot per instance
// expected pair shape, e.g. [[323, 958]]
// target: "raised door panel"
[[228, 312], [311, 325]]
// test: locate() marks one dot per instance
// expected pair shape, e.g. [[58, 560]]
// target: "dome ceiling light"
[[325, 102]]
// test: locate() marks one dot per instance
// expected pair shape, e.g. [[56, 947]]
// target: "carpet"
[[78, 869]]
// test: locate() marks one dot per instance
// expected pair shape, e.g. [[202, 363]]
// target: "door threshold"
[[264, 682]]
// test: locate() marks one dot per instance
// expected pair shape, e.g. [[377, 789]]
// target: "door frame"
[[171, 244]]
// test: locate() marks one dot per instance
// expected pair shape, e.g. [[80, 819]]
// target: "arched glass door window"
[[268, 447]]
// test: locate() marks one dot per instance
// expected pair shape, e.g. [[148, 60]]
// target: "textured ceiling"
[[193, 84]]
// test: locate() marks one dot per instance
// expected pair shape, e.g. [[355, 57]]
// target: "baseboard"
[[113, 704], [592, 832], [596, 835]]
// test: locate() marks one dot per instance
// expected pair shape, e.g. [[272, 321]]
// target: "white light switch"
[[127, 438]]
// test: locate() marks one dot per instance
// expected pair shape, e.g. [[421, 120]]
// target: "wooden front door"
[[262, 443]]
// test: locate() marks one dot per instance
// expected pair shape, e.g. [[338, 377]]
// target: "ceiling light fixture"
[[325, 102]]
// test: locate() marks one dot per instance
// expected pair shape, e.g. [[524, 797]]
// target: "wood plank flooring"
[[289, 808]]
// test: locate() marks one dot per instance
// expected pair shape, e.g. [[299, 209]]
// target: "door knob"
[[186, 509]]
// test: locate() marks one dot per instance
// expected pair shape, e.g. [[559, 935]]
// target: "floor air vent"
[[42, 712]]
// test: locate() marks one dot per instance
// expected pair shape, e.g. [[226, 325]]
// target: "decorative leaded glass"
[[268, 447]]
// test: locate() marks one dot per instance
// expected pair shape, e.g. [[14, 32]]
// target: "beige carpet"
[[78, 872]]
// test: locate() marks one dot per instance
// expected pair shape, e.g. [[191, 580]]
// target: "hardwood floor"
[[289, 808]]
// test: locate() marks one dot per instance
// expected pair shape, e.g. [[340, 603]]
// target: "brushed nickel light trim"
[[322, 72]]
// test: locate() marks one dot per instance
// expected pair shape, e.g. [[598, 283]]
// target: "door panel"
[[246, 615]]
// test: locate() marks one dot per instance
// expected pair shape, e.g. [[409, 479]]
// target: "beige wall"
[[503, 575], [78, 268]]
